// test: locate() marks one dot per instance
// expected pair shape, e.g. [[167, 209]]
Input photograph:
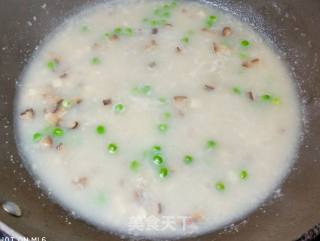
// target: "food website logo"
[[23, 239], [186, 224]]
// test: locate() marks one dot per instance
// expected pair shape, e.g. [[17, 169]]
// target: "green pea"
[[188, 159], [163, 172], [112, 148], [37, 137], [57, 132], [243, 174], [134, 165], [220, 186]]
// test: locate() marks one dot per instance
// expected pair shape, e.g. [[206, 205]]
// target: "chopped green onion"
[[95, 61], [188, 159], [245, 43], [100, 129], [112, 148], [146, 89], [210, 21], [269, 98], [117, 30], [84, 28], [243, 55], [211, 144], [154, 23], [128, 31], [158, 160], [156, 148], [163, 100], [173, 4], [276, 101], [236, 90], [163, 127], [142, 90], [220, 186], [121, 31], [243, 174], [166, 7], [134, 165], [57, 132], [163, 172], [185, 40], [167, 115], [157, 11], [266, 97], [119, 108], [52, 65], [66, 103], [37, 137]]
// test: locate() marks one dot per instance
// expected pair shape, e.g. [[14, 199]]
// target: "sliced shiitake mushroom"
[[63, 76], [154, 31], [250, 95], [59, 147], [209, 87], [180, 98], [152, 64], [178, 50], [106, 102], [226, 31], [73, 125], [46, 142], [250, 63], [160, 208], [52, 118], [27, 114]]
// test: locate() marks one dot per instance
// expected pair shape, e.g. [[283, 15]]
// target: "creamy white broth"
[[225, 115]]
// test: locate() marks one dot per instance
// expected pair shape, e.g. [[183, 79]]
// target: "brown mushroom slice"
[[168, 25], [250, 95], [77, 101], [58, 106], [28, 114], [215, 47], [154, 31], [181, 103], [206, 30], [209, 87], [59, 147], [152, 64], [106, 102], [73, 125], [150, 45], [114, 37], [226, 31], [63, 76], [46, 142], [250, 63], [220, 48], [180, 98], [50, 98], [52, 118], [80, 182], [159, 208], [96, 46]]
